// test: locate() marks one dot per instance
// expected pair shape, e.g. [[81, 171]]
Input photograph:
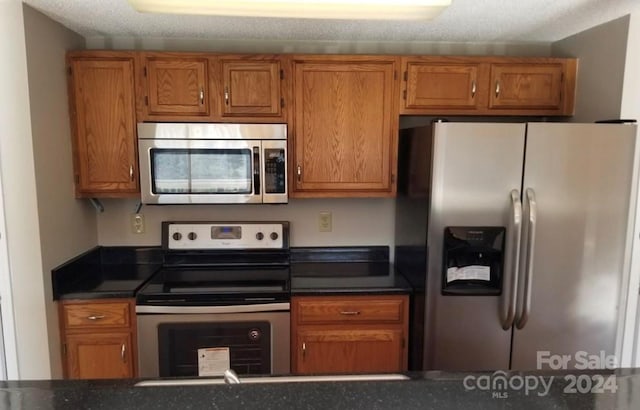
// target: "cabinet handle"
[[299, 173], [123, 349], [226, 95], [131, 172], [350, 312], [95, 317], [304, 350], [201, 96], [473, 89], [497, 89]]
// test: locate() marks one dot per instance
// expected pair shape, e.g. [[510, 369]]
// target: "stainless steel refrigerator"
[[554, 200]]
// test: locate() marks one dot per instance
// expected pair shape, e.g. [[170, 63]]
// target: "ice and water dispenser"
[[473, 260]]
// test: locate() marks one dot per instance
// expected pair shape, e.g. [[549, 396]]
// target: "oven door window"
[[249, 346], [201, 171]]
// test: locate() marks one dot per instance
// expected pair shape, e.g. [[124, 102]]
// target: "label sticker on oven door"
[[213, 361]]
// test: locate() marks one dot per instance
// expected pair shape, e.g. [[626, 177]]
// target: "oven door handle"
[[263, 307]]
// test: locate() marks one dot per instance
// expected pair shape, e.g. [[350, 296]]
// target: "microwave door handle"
[[256, 170]]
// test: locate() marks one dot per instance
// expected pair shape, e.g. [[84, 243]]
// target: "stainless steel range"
[[222, 296]]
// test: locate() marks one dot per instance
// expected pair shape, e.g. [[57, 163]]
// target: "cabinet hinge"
[[404, 94], [281, 102], [76, 177], [393, 178], [282, 74], [395, 75], [561, 77], [69, 70], [144, 71], [146, 100], [64, 349], [406, 76]]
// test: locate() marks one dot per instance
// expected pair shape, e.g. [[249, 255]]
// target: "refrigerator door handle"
[[512, 262], [530, 196]]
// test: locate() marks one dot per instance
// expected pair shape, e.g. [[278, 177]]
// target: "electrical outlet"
[[137, 223], [324, 221]]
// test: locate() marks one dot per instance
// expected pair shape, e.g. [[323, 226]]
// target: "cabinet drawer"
[[350, 309], [86, 315]]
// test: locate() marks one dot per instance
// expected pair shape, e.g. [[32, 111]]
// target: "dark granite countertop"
[[119, 272], [105, 272], [429, 390], [345, 270]]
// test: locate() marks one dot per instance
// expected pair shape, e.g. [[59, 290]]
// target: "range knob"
[[259, 236], [192, 236], [177, 236], [254, 335], [273, 236]]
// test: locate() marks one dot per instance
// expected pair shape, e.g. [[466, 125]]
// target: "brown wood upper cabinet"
[[488, 86], [102, 111], [251, 87], [177, 86], [345, 126], [526, 86], [193, 87], [441, 85]]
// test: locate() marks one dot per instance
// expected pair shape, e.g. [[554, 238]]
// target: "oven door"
[[258, 338], [200, 171]]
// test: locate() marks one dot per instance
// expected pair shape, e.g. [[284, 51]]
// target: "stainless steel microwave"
[[194, 163]]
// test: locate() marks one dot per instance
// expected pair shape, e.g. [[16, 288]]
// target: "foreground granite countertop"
[[345, 270], [427, 390]]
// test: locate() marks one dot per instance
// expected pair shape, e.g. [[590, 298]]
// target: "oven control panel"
[[226, 235]]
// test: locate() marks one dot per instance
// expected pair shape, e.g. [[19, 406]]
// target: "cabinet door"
[[348, 350], [432, 85], [103, 118], [526, 86], [345, 128], [177, 86], [251, 88], [99, 356]]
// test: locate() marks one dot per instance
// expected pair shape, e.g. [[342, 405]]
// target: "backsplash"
[[355, 221]]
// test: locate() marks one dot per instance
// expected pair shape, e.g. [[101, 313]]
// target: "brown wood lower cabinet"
[[99, 355], [98, 339], [349, 334]]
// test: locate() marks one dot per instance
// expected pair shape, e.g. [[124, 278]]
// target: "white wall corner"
[[20, 200], [630, 108]]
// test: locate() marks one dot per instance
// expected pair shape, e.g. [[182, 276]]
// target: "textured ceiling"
[[464, 21]]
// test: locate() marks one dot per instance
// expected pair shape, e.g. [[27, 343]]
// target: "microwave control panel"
[[274, 171]]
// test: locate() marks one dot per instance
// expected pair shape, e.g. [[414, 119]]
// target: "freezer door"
[[475, 168], [579, 176]]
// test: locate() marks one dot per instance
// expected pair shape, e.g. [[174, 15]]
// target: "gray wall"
[[602, 51], [320, 47], [355, 221], [67, 225]]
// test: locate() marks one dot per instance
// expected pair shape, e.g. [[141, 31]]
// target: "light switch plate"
[[324, 221]]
